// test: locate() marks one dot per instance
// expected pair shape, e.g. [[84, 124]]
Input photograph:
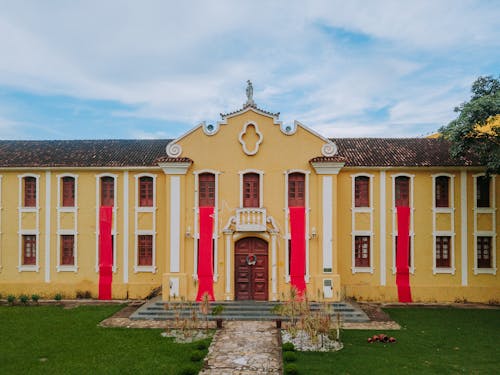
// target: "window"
[[361, 191], [443, 251], [146, 191], [206, 194], [409, 250], [68, 192], [442, 191], [145, 250], [107, 191], [251, 189], [483, 252], [482, 191], [362, 251], [29, 191], [29, 250], [402, 198], [67, 250], [296, 190]]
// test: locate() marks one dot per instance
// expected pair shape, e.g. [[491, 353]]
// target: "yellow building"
[[252, 169]]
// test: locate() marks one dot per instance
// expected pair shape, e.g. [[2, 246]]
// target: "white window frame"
[[287, 235], [61, 209], [29, 267], [196, 234], [449, 233], [394, 221], [33, 231], [485, 210], [261, 185], [138, 209], [355, 232], [115, 216]]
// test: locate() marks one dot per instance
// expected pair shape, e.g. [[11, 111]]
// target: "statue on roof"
[[249, 92]]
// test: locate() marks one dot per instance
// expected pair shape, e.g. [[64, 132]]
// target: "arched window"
[[206, 190], [68, 192], [107, 191], [442, 191], [29, 191], [251, 187], [402, 191], [296, 189], [362, 191], [146, 191]]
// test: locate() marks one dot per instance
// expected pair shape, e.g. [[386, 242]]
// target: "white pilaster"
[[47, 225], [274, 267], [227, 235], [175, 218], [327, 223], [382, 230], [125, 227], [463, 225]]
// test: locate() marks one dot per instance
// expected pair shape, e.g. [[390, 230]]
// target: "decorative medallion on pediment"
[[250, 138]]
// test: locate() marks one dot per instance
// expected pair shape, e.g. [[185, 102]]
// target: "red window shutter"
[[145, 251], [29, 192], [68, 250], [362, 191], [68, 192], [402, 191], [484, 252], [107, 191], [206, 190], [442, 191], [146, 192], [362, 251], [443, 248], [251, 189], [483, 191], [296, 190], [29, 250]]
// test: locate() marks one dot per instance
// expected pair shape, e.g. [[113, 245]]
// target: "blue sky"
[[154, 69]]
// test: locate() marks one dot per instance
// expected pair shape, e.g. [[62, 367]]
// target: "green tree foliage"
[[476, 130]]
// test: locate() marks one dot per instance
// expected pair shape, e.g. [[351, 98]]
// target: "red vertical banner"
[[298, 253], [105, 252], [403, 248], [205, 254]]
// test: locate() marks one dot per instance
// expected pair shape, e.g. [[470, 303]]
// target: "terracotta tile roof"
[[168, 159], [82, 153], [276, 114], [326, 159], [403, 152]]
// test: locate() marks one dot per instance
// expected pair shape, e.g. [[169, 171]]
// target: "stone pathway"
[[244, 348]]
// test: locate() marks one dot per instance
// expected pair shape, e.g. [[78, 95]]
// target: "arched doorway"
[[251, 269]]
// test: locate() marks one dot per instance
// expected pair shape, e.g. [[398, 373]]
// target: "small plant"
[[289, 356], [83, 294], [201, 345], [217, 310], [288, 347], [204, 308], [291, 369], [58, 297], [11, 299], [35, 298], [24, 299], [197, 355], [188, 370]]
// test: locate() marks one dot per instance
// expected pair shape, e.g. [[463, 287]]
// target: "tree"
[[476, 130]]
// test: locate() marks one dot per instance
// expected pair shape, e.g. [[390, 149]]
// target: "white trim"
[[274, 267], [151, 231], [261, 185], [450, 210], [60, 209], [227, 234], [464, 227], [355, 232], [491, 210], [175, 225], [327, 206], [21, 230], [175, 168], [48, 191], [126, 226], [383, 228], [394, 221], [114, 217], [330, 167], [244, 144]]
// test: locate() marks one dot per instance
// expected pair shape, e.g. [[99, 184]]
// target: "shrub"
[[188, 370], [197, 355], [289, 356], [35, 298], [11, 299], [291, 369], [24, 299], [201, 345], [83, 294], [288, 347], [58, 297]]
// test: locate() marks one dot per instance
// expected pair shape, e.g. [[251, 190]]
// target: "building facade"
[[251, 172]]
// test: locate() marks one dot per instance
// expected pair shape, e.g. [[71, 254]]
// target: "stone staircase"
[[155, 309]]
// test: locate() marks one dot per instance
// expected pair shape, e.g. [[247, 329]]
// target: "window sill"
[[31, 268], [67, 269], [443, 270], [362, 270], [138, 269], [485, 271]]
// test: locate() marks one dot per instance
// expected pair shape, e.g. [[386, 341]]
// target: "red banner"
[[402, 255], [205, 254], [105, 253], [298, 253]]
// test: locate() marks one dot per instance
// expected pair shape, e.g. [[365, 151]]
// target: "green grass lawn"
[[431, 341], [51, 340]]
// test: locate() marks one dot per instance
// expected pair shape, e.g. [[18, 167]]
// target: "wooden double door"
[[251, 269]]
